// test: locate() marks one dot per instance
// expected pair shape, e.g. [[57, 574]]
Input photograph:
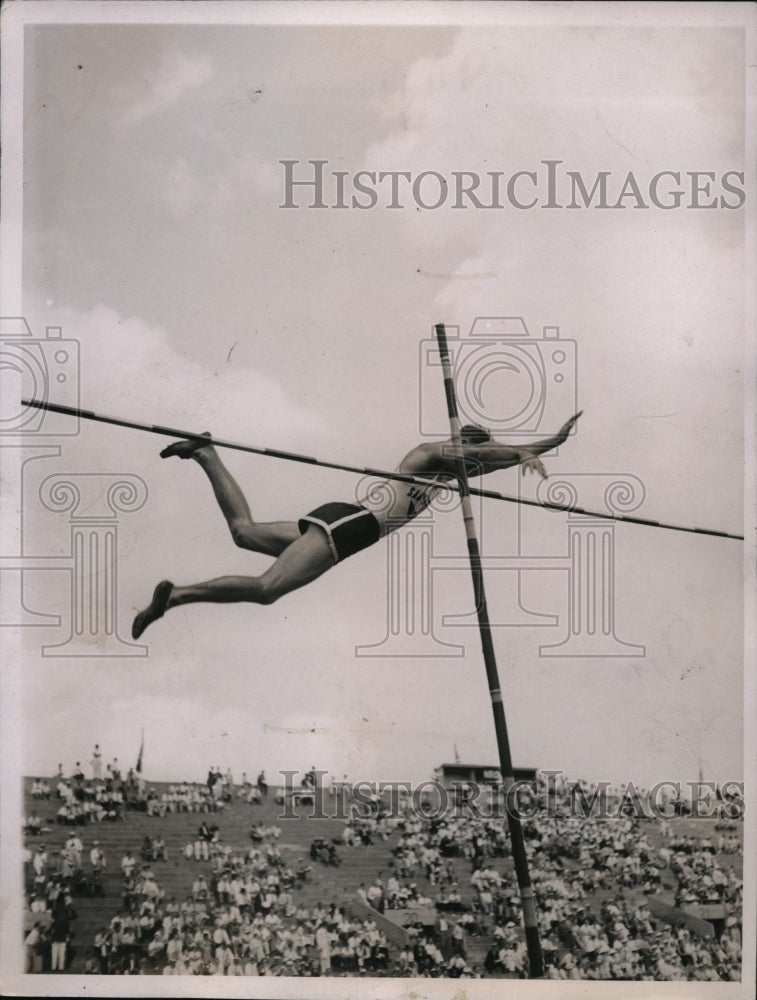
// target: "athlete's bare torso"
[[394, 503]]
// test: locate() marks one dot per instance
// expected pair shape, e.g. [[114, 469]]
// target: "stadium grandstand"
[[213, 877]]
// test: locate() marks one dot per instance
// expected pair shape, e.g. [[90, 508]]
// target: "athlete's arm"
[[539, 447], [438, 458], [491, 456], [431, 458]]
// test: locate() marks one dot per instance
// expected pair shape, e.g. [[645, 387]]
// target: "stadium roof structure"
[[483, 772]]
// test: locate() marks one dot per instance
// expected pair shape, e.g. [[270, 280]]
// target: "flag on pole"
[[457, 755], [141, 751]]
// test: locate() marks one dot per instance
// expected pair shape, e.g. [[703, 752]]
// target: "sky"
[[153, 236]]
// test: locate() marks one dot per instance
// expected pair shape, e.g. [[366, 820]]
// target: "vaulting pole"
[[520, 858], [291, 456]]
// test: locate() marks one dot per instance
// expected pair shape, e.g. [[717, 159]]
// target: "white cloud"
[[219, 195], [177, 76], [532, 92], [181, 187], [125, 361]]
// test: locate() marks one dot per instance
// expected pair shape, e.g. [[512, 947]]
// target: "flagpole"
[[138, 768]]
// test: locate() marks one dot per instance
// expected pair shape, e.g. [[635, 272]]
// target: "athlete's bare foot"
[[156, 609], [185, 449]]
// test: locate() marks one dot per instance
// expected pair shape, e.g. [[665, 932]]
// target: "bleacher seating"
[[325, 884]]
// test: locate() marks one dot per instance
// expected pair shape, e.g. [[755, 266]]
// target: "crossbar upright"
[[520, 858]]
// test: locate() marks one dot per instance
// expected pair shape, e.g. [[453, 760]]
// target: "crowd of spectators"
[[251, 793], [701, 880], [40, 789], [186, 797], [240, 919], [52, 879], [592, 877], [47, 942], [574, 860], [212, 796], [435, 951], [84, 802], [81, 800]]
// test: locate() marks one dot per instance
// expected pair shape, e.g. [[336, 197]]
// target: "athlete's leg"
[[269, 538], [304, 560], [300, 563]]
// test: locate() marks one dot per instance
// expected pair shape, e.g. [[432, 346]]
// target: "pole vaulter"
[[520, 858], [307, 460], [305, 549]]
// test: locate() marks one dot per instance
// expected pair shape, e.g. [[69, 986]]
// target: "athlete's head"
[[473, 434]]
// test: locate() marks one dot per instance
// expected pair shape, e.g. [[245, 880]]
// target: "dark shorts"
[[349, 528]]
